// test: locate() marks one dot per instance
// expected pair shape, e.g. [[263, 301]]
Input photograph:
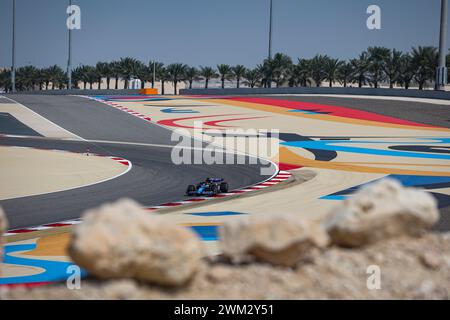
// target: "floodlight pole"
[[69, 60], [13, 64], [270, 30], [441, 74]]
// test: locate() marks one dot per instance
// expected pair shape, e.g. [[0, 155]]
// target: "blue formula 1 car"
[[209, 187]]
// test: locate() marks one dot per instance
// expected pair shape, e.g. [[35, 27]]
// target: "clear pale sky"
[[208, 32]]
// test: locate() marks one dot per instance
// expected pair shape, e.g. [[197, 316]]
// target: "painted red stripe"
[[57, 225], [214, 123], [333, 110], [220, 196], [286, 166], [21, 231], [173, 122], [26, 285], [266, 184], [171, 204]]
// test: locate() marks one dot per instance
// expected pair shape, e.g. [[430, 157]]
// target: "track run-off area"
[[328, 147]]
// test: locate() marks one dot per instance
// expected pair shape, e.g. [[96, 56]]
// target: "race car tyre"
[[215, 190], [190, 189], [224, 187]]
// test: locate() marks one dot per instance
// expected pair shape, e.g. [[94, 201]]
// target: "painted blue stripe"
[[206, 233], [53, 270], [334, 197], [329, 145]]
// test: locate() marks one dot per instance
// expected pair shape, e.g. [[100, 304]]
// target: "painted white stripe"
[[39, 228], [37, 114]]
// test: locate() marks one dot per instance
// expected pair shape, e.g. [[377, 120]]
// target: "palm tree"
[[26, 78], [252, 77], [129, 67], [377, 58], [265, 70], [281, 66], [425, 61], [391, 66], [191, 74], [91, 76], [163, 76], [330, 68], [5, 80], [238, 72], [447, 63], [176, 73], [360, 67], [207, 73], [225, 72], [317, 65], [300, 73], [145, 74], [105, 70], [115, 72], [101, 69], [55, 75], [85, 74], [406, 70], [77, 76], [40, 78], [345, 73]]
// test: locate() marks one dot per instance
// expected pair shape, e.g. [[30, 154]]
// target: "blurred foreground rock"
[[279, 239], [336, 273], [121, 240], [379, 211]]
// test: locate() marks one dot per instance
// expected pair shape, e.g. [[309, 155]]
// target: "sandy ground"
[[333, 274], [300, 199], [27, 171], [35, 121]]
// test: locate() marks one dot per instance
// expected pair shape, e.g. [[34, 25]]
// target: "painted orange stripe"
[[323, 117], [290, 157]]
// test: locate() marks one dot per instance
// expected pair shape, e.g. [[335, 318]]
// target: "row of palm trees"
[[373, 67]]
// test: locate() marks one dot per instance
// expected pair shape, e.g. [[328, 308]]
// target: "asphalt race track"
[[93, 120], [153, 179]]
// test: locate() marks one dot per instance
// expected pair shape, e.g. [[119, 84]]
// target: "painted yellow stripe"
[[289, 157], [323, 117]]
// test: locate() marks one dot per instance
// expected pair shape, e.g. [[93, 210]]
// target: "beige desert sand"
[[27, 171], [35, 121]]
